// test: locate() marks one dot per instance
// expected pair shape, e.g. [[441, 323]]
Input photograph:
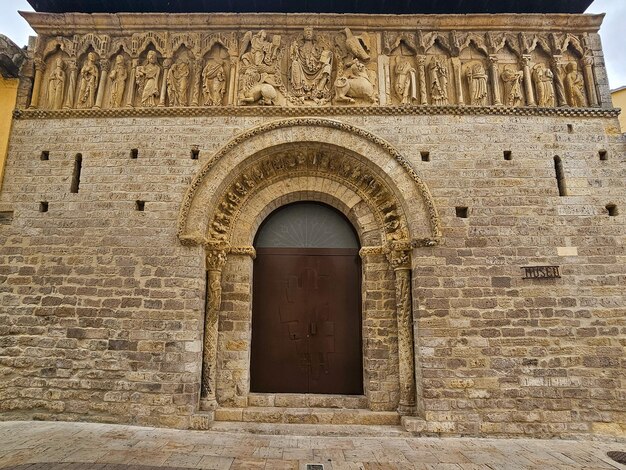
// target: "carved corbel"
[[215, 260], [40, 67], [399, 256], [71, 90]]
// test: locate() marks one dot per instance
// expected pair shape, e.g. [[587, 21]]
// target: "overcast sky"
[[613, 35]]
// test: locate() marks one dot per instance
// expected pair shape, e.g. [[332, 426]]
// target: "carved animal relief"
[[314, 67]]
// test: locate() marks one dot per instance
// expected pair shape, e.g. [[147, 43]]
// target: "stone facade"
[[462, 153]]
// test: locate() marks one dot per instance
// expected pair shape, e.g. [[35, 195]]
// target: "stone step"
[[301, 400], [328, 430], [307, 416]]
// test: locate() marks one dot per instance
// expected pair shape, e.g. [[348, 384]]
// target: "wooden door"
[[306, 321]]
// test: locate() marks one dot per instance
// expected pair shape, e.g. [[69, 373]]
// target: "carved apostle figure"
[[148, 80], [56, 85], [260, 72], [406, 81], [88, 83], [438, 81], [118, 77], [311, 66], [477, 77], [574, 86], [544, 84], [512, 86], [213, 83], [178, 83]]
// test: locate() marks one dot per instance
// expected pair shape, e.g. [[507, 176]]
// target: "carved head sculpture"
[[91, 57], [119, 60], [59, 64], [152, 57], [308, 33]]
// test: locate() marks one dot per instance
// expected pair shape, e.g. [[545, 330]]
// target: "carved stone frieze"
[[321, 67]]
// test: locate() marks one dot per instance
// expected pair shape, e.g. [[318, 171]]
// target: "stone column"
[[195, 86], [71, 89], [555, 63], [215, 260], [384, 80], [400, 260], [104, 73], [40, 67], [421, 77], [232, 82], [458, 80], [495, 80], [528, 84], [132, 85], [167, 63], [589, 81]]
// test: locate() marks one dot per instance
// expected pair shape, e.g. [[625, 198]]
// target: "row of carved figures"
[[537, 84], [311, 71]]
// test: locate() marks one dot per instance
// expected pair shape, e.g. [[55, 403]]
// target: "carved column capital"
[[399, 255], [215, 260], [588, 61], [493, 59], [366, 251], [40, 65], [104, 65], [526, 60]]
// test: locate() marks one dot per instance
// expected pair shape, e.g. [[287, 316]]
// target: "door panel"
[[306, 321]]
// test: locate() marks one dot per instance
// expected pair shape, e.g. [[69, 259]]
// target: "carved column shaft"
[[458, 83], [558, 81], [215, 260], [232, 82], [421, 74], [131, 90], [71, 89], [40, 67], [195, 87], [528, 85], [104, 73], [384, 80], [401, 263], [495, 80], [166, 68], [590, 82]]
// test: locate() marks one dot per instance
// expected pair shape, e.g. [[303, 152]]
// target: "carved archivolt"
[[340, 167], [317, 68]]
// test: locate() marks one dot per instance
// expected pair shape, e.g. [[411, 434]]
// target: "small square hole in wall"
[[195, 152], [140, 205], [603, 155], [508, 155], [134, 153], [6, 217], [43, 206], [612, 210], [462, 212], [425, 156], [45, 156], [570, 128]]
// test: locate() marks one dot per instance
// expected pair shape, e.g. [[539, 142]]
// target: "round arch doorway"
[[306, 309]]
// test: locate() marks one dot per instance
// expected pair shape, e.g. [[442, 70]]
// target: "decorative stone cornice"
[[54, 24], [283, 111]]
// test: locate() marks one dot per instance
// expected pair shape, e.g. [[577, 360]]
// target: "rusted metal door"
[[306, 321]]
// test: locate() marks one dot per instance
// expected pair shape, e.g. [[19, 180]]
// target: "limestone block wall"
[[102, 308]]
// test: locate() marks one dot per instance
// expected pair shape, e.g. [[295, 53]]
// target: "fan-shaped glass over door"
[[306, 309], [306, 225]]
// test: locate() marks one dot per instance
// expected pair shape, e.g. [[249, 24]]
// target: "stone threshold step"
[[327, 430], [307, 416], [304, 400]]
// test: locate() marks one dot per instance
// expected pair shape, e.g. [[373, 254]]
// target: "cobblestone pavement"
[[81, 446]]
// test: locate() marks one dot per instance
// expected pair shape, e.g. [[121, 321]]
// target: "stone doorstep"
[[307, 416], [302, 400], [326, 430]]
